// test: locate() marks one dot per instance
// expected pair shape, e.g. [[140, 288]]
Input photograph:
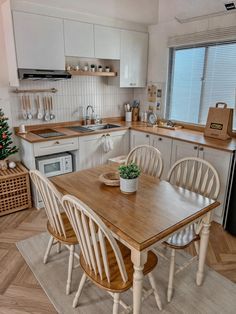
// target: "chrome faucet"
[[87, 116]]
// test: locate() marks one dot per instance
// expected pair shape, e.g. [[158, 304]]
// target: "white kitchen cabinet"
[[139, 138], [120, 141], [133, 59], [107, 42], [79, 39], [221, 160], [91, 152], [164, 145], [39, 41], [7, 24]]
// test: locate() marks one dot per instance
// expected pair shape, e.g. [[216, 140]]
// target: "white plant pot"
[[128, 186]]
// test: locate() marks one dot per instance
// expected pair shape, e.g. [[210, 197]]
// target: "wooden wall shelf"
[[89, 73]]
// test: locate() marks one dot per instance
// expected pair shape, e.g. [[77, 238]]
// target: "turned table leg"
[[203, 248], [138, 259]]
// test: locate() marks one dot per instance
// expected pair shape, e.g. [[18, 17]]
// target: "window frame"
[[170, 74]]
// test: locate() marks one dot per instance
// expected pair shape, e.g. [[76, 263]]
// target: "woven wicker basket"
[[14, 190], [110, 178]]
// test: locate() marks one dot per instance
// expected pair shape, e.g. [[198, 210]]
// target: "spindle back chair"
[[148, 158], [199, 176], [58, 224], [104, 260]]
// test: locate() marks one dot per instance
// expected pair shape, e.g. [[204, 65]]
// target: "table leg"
[[203, 248], [138, 259]]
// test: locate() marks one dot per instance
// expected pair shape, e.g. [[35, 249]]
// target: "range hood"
[[51, 75]]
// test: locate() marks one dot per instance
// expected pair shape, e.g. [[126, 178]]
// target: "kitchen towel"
[[107, 143]]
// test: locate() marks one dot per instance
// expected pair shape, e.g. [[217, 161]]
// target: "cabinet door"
[[164, 145], [182, 149], [133, 60], [79, 39], [120, 145], [107, 42], [39, 41], [222, 162], [139, 138], [90, 153]]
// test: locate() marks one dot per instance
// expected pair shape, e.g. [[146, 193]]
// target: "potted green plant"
[[100, 68], [129, 178], [92, 67]]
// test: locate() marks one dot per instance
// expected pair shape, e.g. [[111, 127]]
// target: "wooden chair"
[[148, 158], [105, 261], [58, 225], [197, 175]]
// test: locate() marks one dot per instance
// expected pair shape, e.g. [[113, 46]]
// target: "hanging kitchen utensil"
[[40, 114], [29, 114], [47, 114], [24, 113], [52, 115]]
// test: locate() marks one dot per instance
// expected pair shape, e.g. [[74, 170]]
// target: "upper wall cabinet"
[[39, 41], [79, 39], [133, 59], [107, 42]]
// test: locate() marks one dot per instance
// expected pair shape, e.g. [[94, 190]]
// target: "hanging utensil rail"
[[50, 90]]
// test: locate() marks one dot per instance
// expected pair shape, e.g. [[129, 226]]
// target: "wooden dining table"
[[144, 219]]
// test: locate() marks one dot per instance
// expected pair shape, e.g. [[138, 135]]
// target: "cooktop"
[[47, 133]]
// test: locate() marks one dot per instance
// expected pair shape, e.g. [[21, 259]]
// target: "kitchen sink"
[[93, 127]]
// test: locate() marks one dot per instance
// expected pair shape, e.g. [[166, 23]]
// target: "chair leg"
[[50, 243], [70, 268], [171, 276], [58, 247], [154, 287], [196, 244], [116, 298], [80, 288]]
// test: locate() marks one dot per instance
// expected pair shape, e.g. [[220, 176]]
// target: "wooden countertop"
[[186, 135]]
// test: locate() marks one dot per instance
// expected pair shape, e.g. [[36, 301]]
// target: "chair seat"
[[70, 235], [116, 283], [182, 238]]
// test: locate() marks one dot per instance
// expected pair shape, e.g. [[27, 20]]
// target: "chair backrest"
[[197, 175], [148, 158], [52, 201], [93, 235]]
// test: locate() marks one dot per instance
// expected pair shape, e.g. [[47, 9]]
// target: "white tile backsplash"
[[72, 98]]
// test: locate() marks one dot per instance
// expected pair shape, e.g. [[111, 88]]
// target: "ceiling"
[[141, 11], [138, 11]]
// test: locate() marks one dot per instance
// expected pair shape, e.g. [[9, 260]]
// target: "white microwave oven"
[[55, 165], [50, 166]]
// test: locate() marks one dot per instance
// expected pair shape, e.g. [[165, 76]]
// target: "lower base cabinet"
[[221, 160], [91, 148], [173, 150]]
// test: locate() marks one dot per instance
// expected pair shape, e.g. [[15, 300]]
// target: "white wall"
[[169, 26], [4, 96]]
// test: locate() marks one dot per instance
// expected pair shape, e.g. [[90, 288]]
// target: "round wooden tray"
[[110, 178]]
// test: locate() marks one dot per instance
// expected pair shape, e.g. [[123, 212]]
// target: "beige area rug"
[[216, 296]]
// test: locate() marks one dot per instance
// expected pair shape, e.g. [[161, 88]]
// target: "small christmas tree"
[[5, 138]]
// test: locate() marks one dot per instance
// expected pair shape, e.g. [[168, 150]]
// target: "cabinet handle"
[[201, 149], [147, 135], [195, 147], [160, 139]]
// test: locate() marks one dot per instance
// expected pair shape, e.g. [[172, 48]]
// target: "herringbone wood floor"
[[19, 291]]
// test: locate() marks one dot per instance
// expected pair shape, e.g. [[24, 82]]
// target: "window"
[[200, 77]]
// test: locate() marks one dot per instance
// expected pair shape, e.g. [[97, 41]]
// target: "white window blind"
[[187, 72], [200, 77], [219, 83]]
